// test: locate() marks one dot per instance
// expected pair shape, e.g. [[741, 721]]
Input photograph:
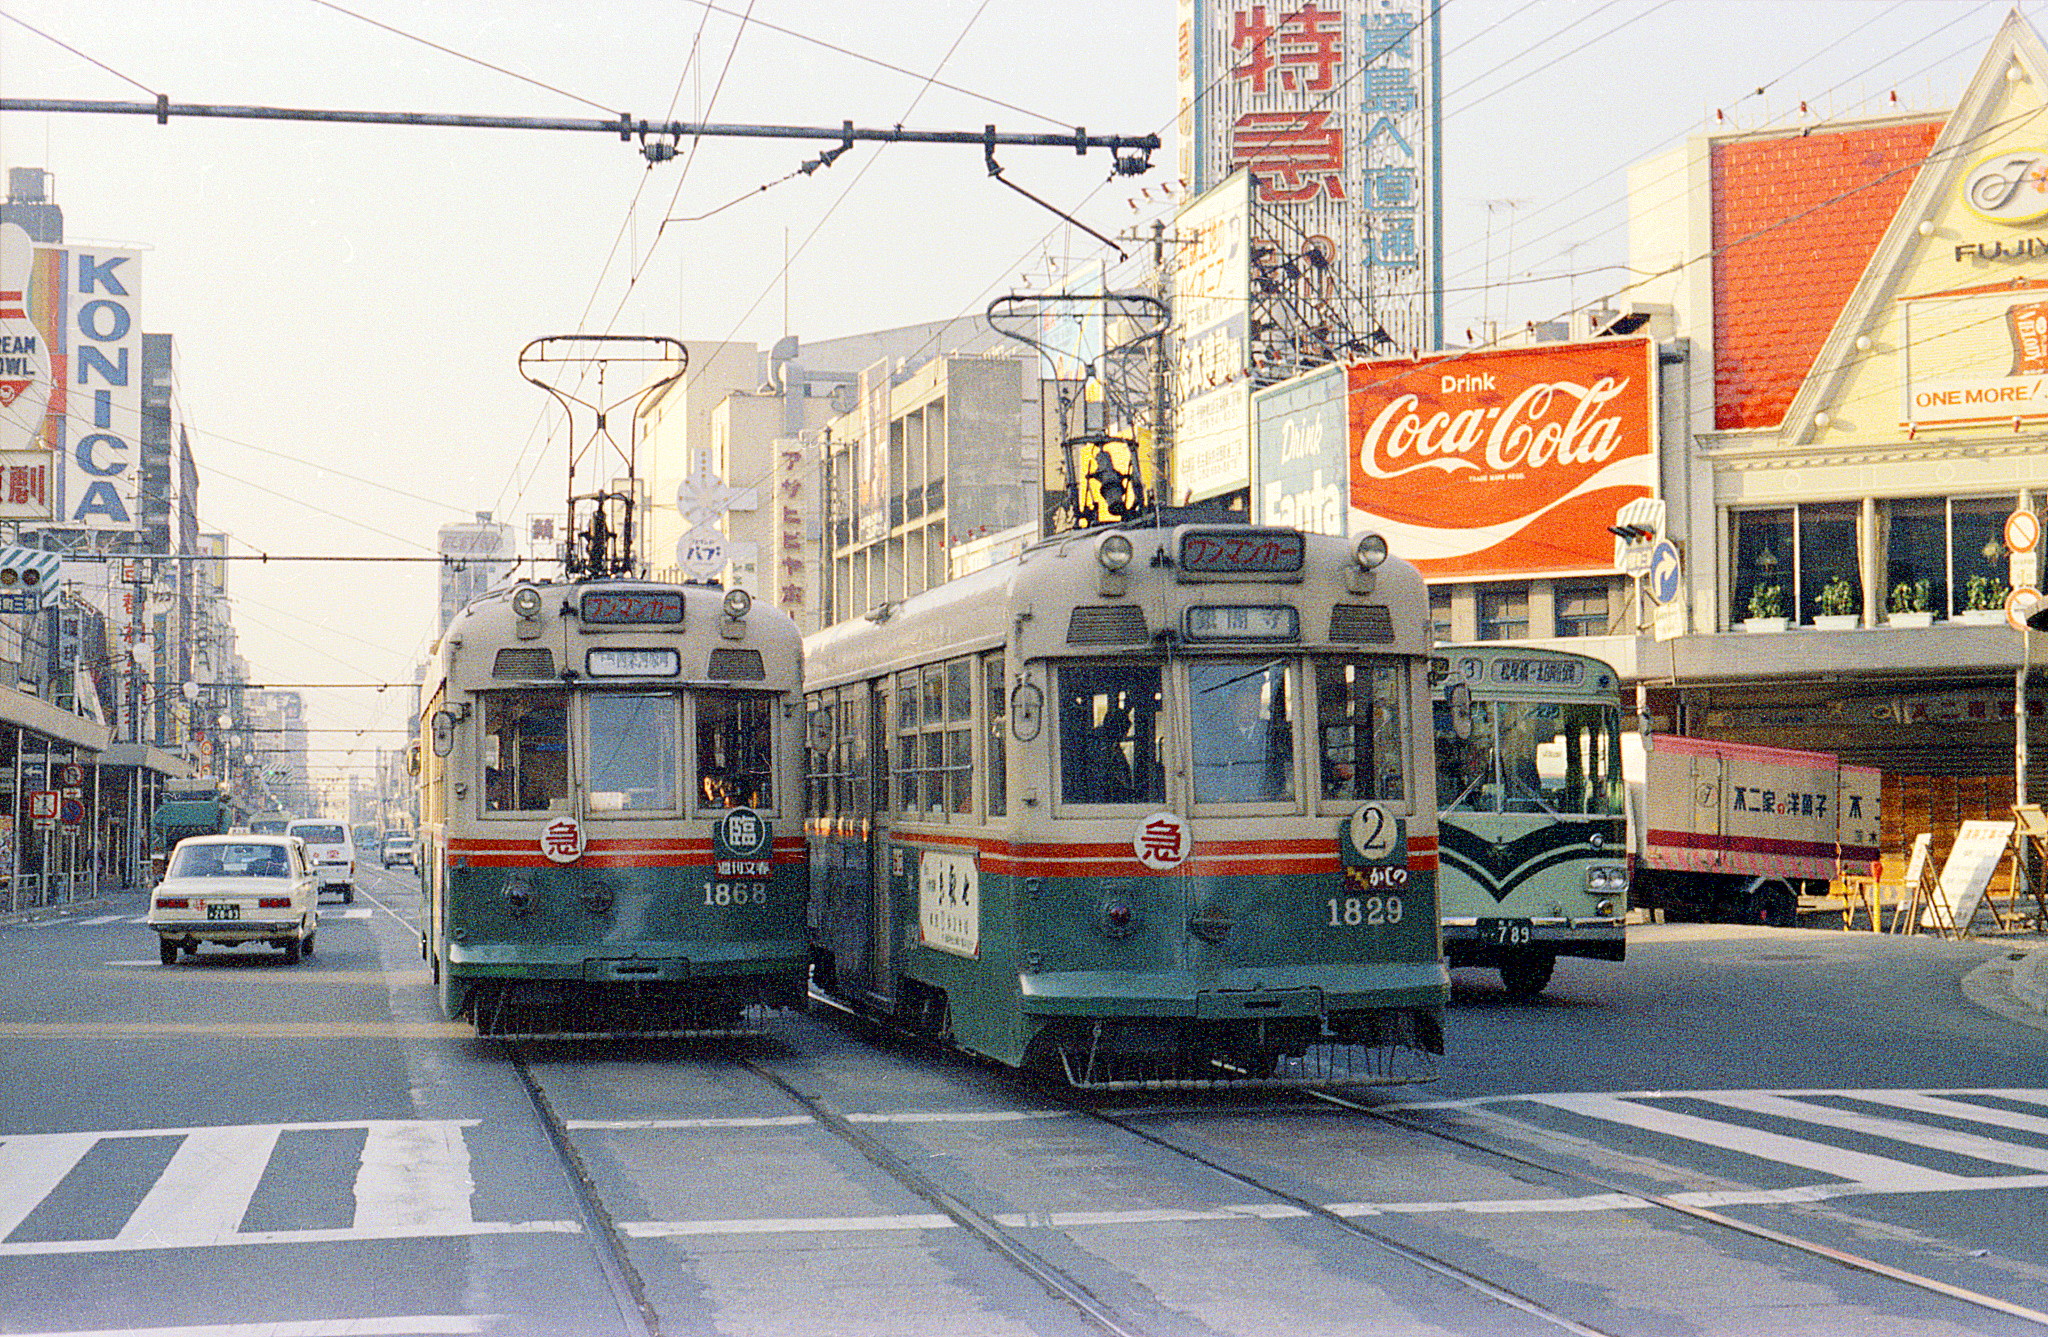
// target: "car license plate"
[[1505, 932], [223, 912]]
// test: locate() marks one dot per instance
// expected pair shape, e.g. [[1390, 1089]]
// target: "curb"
[[2030, 981], [2011, 985], [101, 904]]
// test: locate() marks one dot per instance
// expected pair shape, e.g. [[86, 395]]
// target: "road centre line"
[[796, 1120], [394, 1325]]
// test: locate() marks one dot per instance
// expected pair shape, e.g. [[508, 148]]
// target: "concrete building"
[[478, 555]]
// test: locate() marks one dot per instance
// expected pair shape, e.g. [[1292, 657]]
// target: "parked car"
[[332, 853], [235, 890], [398, 849]]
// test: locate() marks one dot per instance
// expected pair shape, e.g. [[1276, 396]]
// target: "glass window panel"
[[906, 700], [998, 780], [934, 695], [633, 751], [526, 746], [1582, 608], [1243, 731], [1827, 554], [1359, 709], [1916, 550], [1762, 544], [1440, 614], [1504, 613], [735, 752], [959, 771], [1465, 767], [1977, 550], [1109, 734], [1557, 757], [959, 690]]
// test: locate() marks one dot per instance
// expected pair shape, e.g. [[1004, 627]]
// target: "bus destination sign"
[[625, 608], [1241, 550]]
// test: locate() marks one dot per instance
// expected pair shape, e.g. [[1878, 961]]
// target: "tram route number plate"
[[1505, 932], [223, 912]]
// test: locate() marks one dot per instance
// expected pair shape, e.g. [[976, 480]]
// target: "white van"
[[331, 852]]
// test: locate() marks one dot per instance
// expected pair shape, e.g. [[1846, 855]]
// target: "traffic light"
[[29, 571]]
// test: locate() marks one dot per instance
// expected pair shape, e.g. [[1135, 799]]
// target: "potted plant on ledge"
[[1837, 604], [1766, 609], [1983, 600], [1912, 605]]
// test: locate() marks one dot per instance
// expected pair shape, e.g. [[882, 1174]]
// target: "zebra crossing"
[[1829, 1143], [222, 1186], [413, 1180]]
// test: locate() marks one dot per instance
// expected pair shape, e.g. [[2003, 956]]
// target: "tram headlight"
[[1370, 552], [526, 601], [1114, 552], [738, 603]]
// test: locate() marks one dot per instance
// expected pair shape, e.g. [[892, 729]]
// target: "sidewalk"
[[100, 904]]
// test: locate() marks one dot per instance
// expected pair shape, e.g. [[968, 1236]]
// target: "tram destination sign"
[[1240, 550], [615, 662], [619, 608], [1241, 622]]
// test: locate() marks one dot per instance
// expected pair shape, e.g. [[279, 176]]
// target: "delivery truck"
[[1736, 832]]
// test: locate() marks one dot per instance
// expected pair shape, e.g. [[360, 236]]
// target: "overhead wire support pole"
[[624, 126]]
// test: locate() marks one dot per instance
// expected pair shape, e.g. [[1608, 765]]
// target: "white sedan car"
[[236, 889]]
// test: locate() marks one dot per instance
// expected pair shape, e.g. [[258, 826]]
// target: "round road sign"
[[2022, 531], [2019, 604]]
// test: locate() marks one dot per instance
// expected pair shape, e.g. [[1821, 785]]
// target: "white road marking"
[[396, 1325], [414, 1174], [1953, 1109], [1853, 1166], [31, 1166], [964, 1116], [812, 1225], [106, 919], [362, 913], [1968, 1145], [340, 1235], [202, 1194], [637, 1125]]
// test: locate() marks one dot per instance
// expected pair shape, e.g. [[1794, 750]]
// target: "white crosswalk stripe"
[[1858, 1141], [413, 1181]]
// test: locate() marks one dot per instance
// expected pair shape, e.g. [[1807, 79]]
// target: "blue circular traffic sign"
[[1664, 574]]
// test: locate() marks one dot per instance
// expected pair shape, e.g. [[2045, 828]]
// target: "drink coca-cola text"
[[1525, 434]]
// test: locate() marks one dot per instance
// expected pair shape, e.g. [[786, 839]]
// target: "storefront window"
[[1977, 553], [1827, 554], [1916, 553], [1762, 544]]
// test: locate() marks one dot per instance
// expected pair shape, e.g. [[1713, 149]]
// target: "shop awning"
[[38, 715]]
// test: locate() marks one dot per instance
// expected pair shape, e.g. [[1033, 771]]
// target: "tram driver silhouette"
[[1244, 756]]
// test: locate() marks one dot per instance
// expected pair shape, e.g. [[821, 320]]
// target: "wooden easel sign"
[[1971, 861]]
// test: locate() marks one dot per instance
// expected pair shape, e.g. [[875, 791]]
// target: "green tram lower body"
[[647, 942], [1254, 962]]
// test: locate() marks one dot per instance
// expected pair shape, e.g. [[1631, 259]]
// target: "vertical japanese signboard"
[[1507, 462], [1333, 106], [27, 381], [1211, 316], [788, 575]]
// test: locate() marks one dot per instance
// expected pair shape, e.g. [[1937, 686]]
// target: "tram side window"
[[995, 767], [855, 797], [1243, 731], [633, 751], [1109, 734], [821, 749], [960, 736], [735, 757], [1465, 766], [1360, 708], [525, 751]]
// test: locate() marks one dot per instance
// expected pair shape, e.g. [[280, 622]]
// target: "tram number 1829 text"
[[735, 893], [1352, 911]]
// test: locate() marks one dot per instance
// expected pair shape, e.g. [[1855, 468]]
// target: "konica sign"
[[103, 403]]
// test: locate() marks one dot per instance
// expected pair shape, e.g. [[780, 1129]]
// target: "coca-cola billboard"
[[1505, 462]]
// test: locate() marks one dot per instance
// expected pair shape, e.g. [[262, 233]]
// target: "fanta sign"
[[1509, 461]]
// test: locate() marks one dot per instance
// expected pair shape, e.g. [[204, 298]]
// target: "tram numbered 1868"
[[1145, 807], [611, 791]]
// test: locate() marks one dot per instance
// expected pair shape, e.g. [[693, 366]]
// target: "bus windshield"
[[1561, 758]]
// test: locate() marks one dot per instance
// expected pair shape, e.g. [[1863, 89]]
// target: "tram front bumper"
[[1244, 993]]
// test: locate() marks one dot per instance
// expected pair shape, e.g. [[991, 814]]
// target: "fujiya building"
[[1832, 400]]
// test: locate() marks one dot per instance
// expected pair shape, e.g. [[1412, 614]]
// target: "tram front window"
[[1109, 734], [734, 755], [1360, 710], [1243, 732], [633, 752], [525, 751]]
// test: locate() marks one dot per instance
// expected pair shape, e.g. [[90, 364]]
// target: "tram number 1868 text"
[[1352, 911], [735, 893]]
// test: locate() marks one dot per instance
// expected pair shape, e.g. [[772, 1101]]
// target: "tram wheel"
[[1524, 975]]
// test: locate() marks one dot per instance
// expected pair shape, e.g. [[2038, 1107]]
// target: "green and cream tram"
[[1531, 813], [611, 796], [1144, 806]]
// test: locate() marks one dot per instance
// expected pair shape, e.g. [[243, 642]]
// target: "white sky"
[[349, 300]]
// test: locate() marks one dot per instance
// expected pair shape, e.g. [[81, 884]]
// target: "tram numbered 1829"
[[1146, 806]]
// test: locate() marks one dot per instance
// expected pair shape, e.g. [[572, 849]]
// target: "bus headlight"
[[1606, 879]]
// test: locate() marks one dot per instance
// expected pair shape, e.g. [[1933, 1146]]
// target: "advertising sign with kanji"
[[1333, 107], [1504, 462], [949, 903]]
